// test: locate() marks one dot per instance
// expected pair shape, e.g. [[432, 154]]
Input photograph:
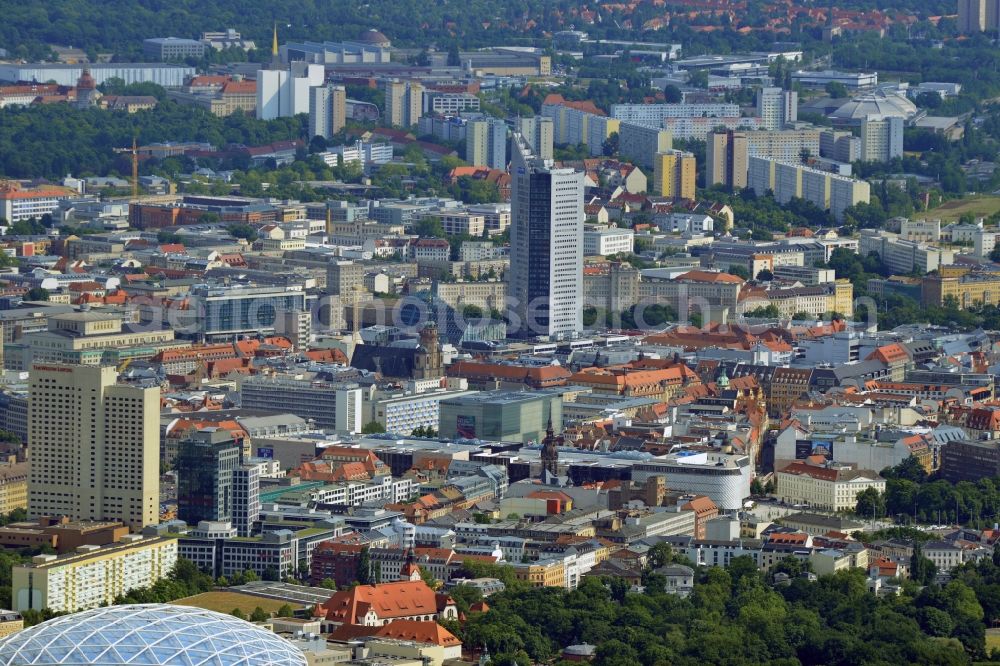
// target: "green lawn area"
[[992, 639], [950, 211], [224, 602]]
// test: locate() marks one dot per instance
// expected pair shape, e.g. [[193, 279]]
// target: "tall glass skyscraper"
[[546, 238]]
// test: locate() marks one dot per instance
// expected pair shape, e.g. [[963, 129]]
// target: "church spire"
[[275, 58]]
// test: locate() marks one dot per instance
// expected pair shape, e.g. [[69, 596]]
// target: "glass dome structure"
[[148, 635], [878, 103]]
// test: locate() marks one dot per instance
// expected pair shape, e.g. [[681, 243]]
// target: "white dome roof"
[[147, 635], [879, 103]]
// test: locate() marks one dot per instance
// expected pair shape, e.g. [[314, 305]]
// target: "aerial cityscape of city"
[[402, 333]]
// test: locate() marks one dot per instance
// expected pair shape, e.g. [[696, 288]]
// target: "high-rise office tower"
[[538, 133], [674, 174], [404, 102], [486, 143], [95, 446], [246, 498], [205, 464], [327, 110], [343, 278], [777, 107], [546, 237]]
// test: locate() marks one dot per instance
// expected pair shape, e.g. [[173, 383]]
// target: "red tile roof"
[[418, 632]]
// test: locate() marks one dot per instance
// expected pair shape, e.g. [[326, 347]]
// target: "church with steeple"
[[550, 454], [283, 90]]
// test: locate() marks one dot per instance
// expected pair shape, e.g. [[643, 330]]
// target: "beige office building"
[[95, 446], [92, 338]]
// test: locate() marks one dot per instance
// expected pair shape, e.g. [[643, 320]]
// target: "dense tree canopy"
[[735, 617], [52, 140]]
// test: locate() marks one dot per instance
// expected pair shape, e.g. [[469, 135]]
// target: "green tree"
[[259, 615], [769, 311], [372, 428], [429, 227], [698, 78], [364, 572], [37, 294], [243, 231], [465, 596], [660, 555], [922, 570], [286, 611], [236, 612], [739, 271], [836, 89], [870, 503]]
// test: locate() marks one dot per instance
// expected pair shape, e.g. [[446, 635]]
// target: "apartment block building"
[[639, 144], [654, 114], [404, 102], [91, 576], [327, 110], [728, 153], [882, 138], [674, 174], [777, 107], [538, 133], [571, 125], [486, 143], [839, 145], [826, 190], [700, 128]]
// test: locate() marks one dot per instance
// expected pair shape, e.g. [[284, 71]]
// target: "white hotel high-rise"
[[546, 238]]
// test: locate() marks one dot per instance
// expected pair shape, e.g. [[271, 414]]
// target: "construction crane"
[[134, 151]]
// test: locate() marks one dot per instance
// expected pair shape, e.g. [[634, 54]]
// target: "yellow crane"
[[134, 152]]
